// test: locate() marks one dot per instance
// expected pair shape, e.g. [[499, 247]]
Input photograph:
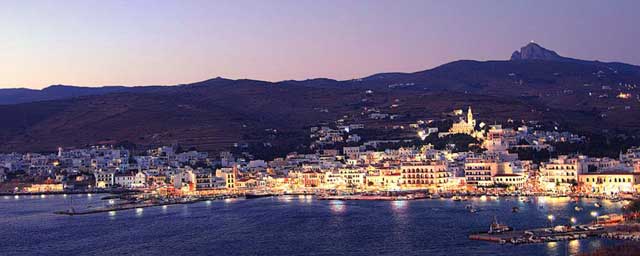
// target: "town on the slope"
[[366, 168]]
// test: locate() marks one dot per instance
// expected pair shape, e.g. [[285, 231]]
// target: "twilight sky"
[[139, 42]]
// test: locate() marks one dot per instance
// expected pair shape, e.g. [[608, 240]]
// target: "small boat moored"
[[496, 227]]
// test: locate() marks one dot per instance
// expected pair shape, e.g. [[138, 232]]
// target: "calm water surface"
[[289, 225]]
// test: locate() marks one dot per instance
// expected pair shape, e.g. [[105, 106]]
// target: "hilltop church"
[[465, 126]]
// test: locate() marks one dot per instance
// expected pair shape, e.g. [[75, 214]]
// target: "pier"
[[541, 235], [136, 205]]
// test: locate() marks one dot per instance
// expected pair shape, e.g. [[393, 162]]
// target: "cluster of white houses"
[[358, 168], [394, 170]]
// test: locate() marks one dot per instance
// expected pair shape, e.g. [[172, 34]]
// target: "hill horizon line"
[[529, 45]]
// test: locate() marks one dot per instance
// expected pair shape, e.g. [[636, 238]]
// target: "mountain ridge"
[[528, 53], [218, 113]]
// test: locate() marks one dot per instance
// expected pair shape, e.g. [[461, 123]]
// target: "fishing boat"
[[496, 227]]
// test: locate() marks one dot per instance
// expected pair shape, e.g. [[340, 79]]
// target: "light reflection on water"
[[574, 247], [285, 199], [305, 198], [337, 207], [399, 206], [112, 215]]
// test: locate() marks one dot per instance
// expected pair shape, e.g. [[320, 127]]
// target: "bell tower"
[[470, 120]]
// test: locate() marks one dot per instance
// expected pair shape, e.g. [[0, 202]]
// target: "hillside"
[[214, 114]]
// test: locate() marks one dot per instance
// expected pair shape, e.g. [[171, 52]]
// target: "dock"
[[372, 197], [539, 235], [136, 205]]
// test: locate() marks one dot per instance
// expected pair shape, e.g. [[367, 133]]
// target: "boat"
[[468, 207], [578, 208], [472, 209], [515, 209], [434, 196], [496, 227], [456, 198], [525, 199], [597, 205], [258, 195]]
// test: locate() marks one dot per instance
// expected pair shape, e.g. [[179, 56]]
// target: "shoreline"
[[191, 200], [67, 192], [130, 206]]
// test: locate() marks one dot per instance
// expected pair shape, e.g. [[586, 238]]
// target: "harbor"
[[322, 220]]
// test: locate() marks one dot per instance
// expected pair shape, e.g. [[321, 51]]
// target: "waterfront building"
[[44, 188], [104, 179], [185, 181], [125, 180], [131, 180], [385, 179], [513, 180], [561, 174], [207, 180], [307, 178], [343, 178], [421, 175], [609, 183], [229, 174], [481, 170]]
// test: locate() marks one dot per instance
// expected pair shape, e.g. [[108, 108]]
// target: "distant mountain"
[[54, 92], [212, 115]]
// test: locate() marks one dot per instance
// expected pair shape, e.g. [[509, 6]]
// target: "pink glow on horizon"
[[143, 42]]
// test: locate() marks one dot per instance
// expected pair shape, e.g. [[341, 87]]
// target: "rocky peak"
[[533, 51]]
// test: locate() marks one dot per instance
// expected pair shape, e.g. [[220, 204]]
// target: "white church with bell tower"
[[465, 126]]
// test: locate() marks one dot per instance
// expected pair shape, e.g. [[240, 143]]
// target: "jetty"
[[372, 197], [137, 205], [541, 235]]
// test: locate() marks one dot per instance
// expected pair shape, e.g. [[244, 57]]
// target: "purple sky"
[[136, 42]]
